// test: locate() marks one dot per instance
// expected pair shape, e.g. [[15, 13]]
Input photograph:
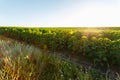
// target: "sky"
[[60, 13]]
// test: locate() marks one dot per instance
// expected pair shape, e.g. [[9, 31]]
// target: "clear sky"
[[60, 13]]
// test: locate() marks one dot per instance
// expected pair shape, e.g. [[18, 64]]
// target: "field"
[[49, 53]]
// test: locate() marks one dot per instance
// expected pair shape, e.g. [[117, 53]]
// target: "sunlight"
[[92, 30]]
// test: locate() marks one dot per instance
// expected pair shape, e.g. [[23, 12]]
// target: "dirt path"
[[86, 64]]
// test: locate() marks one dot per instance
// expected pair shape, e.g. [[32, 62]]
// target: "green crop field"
[[28, 53]]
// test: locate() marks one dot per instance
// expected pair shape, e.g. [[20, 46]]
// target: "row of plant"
[[25, 62], [101, 47]]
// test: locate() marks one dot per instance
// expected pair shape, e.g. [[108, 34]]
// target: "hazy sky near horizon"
[[60, 13]]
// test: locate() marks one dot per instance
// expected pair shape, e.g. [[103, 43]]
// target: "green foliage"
[[101, 47], [26, 62]]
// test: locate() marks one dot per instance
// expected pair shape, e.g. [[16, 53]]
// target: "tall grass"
[[25, 62]]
